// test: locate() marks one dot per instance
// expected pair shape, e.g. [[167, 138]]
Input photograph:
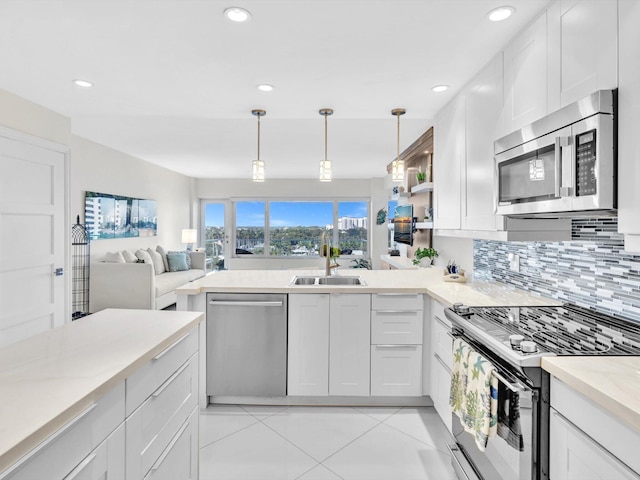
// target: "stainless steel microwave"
[[562, 165]]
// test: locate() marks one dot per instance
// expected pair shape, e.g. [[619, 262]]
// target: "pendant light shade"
[[325, 165], [397, 167], [258, 165]]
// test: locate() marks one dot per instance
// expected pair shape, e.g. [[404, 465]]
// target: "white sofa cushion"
[[168, 282], [129, 257], [113, 257], [163, 254], [144, 256], [156, 258]]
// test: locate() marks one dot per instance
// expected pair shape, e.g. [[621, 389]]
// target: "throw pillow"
[[163, 254], [113, 257], [177, 261], [187, 255], [129, 257], [158, 264], [144, 256]]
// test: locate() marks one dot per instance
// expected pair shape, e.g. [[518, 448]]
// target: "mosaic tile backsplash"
[[592, 270]]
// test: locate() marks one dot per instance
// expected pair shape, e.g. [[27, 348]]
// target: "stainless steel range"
[[515, 339]]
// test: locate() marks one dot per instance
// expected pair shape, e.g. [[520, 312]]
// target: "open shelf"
[[396, 196], [422, 188], [423, 225]]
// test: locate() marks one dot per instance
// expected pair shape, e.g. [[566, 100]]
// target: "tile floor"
[[323, 443]]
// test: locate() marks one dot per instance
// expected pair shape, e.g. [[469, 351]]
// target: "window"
[[214, 235], [294, 228]]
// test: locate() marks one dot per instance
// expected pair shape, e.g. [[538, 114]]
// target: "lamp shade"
[[189, 235]]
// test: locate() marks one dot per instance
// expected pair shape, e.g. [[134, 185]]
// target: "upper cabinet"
[[628, 121], [449, 152], [583, 49], [525, 73]]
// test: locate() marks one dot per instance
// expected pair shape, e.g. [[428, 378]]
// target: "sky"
[[285, 214]]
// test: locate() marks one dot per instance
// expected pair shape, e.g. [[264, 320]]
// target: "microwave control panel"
[[586, 183]]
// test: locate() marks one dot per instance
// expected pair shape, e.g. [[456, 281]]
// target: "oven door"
[[530, 177], [500, 461]]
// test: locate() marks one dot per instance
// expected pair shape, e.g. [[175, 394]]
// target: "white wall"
[[97, 168], [230, 189], [454, 248]]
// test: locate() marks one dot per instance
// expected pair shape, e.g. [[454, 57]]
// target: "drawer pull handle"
[[162, 387], [401, 312], [166, 452], [166, 350], [251, 303], [397, 346], [78, 470], [442, 362], [49, 440], [441, 322]]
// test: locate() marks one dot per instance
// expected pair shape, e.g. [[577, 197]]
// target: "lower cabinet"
[[396, 370], [587, 442], [440, 362]]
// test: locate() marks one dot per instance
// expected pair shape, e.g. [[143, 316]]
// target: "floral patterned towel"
[[474, 392]]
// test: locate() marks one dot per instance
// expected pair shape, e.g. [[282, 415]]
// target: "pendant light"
[[397, 167], [325, 165], [258, 165]]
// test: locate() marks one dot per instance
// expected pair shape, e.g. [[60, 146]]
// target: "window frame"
[[267, 237]]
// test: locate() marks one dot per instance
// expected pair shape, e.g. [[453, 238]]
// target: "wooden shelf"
[[423, 225], [422, 188]]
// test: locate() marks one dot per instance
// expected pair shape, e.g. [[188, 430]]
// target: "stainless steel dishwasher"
[[246, 344]]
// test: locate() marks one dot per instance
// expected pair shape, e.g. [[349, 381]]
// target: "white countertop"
[[611, 382], [421, 280], [49, 378]]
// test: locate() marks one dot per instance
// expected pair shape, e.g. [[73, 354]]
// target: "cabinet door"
[[448, 156], [349, 344], [629, 119], [105, 462], [525, 76], [484, 103], [583, 49], [308, 349], [573, 455], [440, 386], [396, 370], [180, 459]]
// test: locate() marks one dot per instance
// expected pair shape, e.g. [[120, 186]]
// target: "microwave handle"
[[560, 142]]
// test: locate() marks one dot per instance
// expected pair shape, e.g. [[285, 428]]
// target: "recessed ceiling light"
[[83, 83], [265, 87], [500, 13], [237, 14], [439, 88]]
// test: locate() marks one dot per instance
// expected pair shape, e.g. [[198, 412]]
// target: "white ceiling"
[[175, 82]]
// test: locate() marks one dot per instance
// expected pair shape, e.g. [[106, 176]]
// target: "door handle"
[[58, 272], [560, 190]]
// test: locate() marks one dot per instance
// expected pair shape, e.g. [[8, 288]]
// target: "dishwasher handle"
[[246, 303]]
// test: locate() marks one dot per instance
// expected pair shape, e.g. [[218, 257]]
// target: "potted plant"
[[424, 256], [420, 175]]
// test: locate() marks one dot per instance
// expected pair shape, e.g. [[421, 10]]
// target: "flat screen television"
[[403, 224]]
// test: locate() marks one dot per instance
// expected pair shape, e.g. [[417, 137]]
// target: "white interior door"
[[32, 236]]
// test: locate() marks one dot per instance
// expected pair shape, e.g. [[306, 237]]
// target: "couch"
[[139, 282]]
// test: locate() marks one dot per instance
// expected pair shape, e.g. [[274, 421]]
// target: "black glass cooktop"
[[562, 330]]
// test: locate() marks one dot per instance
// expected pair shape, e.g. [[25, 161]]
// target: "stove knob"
[[528, 346], [460, 308], [515, 341]]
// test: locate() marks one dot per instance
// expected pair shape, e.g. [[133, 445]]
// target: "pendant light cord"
[[325, 137], [258, 136]]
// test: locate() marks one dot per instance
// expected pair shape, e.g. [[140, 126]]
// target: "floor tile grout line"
[[358, 437], [290, 442], [286, 407], [229, 435]]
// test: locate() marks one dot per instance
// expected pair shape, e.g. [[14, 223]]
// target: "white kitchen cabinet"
[[448, 158], [587, 441], [441, 361], [105, 462], [396, 370], [484, 107], [628, 121], [396, 344], [583, 49], [349, 344], [576, 456], [77, 444], [525, 76], [308, 344]]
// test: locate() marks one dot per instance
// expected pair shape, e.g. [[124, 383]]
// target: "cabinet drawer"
[[397, 301], [396, 370], [148, 378], [151, 427], [59, 454], [180, 459], [104, 462], [442, 341], [396, 327]]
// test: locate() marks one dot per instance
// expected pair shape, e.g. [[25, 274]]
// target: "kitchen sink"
[[327, 281]]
